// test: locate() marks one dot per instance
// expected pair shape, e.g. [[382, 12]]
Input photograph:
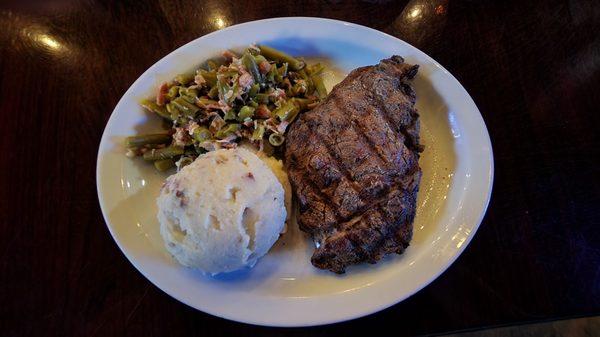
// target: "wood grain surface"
[[532, 67]]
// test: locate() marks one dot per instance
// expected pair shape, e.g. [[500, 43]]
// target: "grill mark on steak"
[[356, 123], [321, 198], [353, 163], [320, 194], [349, 175], [331, 147], [359, 253], [347, 179]]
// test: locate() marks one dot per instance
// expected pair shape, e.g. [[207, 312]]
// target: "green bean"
[[276, 139], [303, 74], [319, 86], [181, 121], [250, 64], [189, 99], [186, 107], [286, 110], [203, 102], [253, 51], [141, 140], [229, 115], [223, 88], [184, 78], [271, 76], [235, 90], [159, 110], [211, 65], [262, 98], [213, 92], [176, 115], [245, 112], [280, 56], [171, 109], [292, 115], [201, 134], [209, 76], [191, 92], [254, 89], [301, 103], [259, 59], [227, 130], [259, 132], [228, 73], [164, 153], [281, 72], [164, 164], [173, 92]]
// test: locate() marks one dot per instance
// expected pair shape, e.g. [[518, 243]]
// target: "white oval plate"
[[284, 289]]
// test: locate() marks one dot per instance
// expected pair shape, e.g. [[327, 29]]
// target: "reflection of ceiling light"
[[414, 12], [440, 10], [42, 40], [47, 41], [220, 23]]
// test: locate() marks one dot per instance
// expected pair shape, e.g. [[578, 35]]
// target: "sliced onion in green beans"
[[276, 139]]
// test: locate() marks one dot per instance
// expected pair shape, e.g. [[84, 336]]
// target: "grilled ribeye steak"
[[354, 164]]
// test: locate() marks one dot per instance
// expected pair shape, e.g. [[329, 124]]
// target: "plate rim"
[[291, 323]]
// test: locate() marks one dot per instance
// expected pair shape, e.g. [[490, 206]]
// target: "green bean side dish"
[[253, 97]]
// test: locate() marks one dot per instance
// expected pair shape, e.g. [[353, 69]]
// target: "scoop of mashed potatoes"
[[222, 212]]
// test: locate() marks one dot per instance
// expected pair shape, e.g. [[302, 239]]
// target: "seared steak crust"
[[354, 164]]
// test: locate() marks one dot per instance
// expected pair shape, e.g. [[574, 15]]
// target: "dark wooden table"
[[532, 67]]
